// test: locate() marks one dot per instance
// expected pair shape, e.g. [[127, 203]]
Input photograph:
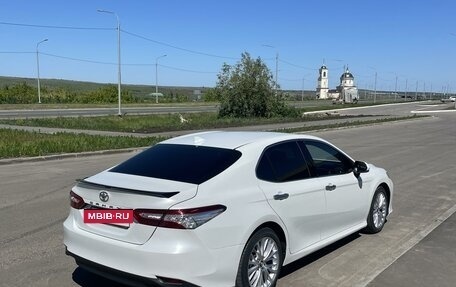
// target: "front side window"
[[327, 160], [282, 162]]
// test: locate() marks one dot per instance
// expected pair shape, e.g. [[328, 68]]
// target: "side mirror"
[[360, 167]]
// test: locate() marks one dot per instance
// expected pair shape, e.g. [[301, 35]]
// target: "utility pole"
[[156, 77], [276, 68], [277, 74], [416, 91], [119, 76], [302, 93]]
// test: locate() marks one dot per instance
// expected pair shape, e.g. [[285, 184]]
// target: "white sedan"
[[223, 209]]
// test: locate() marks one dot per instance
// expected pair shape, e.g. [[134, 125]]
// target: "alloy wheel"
[[263, 263], [379, 210]]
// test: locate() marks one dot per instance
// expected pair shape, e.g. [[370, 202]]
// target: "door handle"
[[330, 187], [281, 196]]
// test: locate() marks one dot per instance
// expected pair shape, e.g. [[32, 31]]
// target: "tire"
[[255, 270], [378, 211]]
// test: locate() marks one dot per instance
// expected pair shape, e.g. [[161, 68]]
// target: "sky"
[[411, 41]]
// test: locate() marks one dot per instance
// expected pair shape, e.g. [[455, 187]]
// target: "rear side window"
[[282, 162], [186, 163]]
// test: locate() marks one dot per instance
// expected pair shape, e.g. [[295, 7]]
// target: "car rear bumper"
[[169, 253]]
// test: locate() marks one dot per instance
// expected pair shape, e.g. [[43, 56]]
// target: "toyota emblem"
[[104, 196]]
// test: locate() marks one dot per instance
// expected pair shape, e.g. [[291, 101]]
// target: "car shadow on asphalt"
[[306, 260], [85, 278]]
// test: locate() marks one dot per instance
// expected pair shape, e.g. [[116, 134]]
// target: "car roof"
[[233, 139]]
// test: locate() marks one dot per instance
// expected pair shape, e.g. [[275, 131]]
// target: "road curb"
[[358, 108], [431, 111], [67, 155], [406, 246]]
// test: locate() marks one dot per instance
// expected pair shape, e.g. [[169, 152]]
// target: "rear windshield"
[[186, 163]]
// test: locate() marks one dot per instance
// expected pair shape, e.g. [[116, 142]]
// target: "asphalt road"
[[420, 161], [426, 264], [163, 109], [419, 156]]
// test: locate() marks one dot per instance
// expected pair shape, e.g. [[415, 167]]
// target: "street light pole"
[[38, 69], [424, 90], [375, 83], [395, 91], [156, 77], [406, 83], [119, 76]]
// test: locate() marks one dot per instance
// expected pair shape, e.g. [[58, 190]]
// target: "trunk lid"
[[129, 192]]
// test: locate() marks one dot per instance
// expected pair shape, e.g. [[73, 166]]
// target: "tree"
[[107, 94], [19, 93], [210, 95], [247, 90]]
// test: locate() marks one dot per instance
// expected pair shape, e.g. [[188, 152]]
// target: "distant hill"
[[81, 86], [136, 90]]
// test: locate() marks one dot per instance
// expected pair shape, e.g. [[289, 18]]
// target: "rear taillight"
[[178, 218], [76, 201]]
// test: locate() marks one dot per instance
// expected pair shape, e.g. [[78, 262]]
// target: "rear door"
[[296, 198]]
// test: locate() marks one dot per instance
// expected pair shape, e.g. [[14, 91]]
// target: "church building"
[[346, 92]]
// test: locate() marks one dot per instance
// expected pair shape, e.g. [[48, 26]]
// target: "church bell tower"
[[323, 85]]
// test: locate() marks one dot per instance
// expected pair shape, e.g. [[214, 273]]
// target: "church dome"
[[347, 75]]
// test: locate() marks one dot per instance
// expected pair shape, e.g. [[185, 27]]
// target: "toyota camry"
[[221, 209]]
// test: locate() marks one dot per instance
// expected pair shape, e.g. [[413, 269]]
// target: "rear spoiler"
[[91, 185]]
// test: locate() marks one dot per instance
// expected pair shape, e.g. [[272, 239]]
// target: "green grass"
[[153, 123], [15, 143], [348, 124]]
